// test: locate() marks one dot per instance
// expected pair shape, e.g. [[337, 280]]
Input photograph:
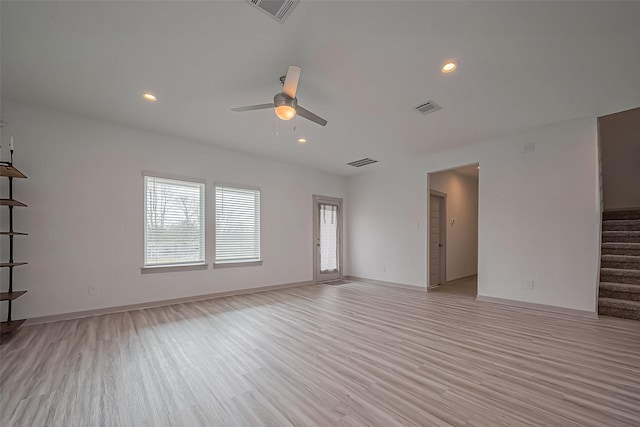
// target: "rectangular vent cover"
[[428, 107], [277, 9], [362, 162]]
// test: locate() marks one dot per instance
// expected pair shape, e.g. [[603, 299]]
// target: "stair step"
[[621, 214], [620, 275], [621, 225], [620, 261], [623, 291], [621, 248], [621, 236], [619, 308]]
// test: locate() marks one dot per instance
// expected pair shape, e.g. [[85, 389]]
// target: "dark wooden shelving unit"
[[10, 296], [9, 171], [11, 202], [12, 264], [10, 327]]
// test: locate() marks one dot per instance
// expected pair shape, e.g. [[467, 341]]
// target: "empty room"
[[319, 213]]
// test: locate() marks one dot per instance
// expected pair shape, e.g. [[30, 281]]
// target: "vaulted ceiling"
[[365, 66]]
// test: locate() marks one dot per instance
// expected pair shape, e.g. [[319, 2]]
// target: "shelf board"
[[11, 171], [12, 233], [10, 296], [12, 264], [10, 327], [11, 202]]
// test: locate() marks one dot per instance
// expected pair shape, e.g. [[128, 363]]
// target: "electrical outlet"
[[529, 147], [529, 284], [93, 290]]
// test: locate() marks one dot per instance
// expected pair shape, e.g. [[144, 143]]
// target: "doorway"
[[327, 238], [437, 238], [452, 241]]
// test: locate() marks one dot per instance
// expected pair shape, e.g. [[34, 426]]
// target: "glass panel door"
[[327, 238]]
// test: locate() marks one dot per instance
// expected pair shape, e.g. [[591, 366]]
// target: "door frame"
[[316, 200], [443, 237]]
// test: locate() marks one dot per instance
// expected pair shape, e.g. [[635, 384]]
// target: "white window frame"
[[198, 265], [234, 263]]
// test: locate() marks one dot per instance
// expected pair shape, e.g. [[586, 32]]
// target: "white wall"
[[538, 217], [620, 151], [462, 209], [85, 214]]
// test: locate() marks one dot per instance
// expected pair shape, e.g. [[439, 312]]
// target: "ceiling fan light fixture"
[[285, 106], [285, 112]]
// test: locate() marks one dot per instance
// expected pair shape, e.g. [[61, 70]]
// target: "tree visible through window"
[[174, 222]]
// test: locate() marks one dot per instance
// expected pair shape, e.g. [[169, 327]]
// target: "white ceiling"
[[365, 66]]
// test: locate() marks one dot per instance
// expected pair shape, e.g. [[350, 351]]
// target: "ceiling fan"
[[286, 103]]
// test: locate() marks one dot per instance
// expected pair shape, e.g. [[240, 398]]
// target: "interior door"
[[327, 238], [437, 240]]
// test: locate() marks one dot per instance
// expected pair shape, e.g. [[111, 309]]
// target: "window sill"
[[237, 264], [173, 268]]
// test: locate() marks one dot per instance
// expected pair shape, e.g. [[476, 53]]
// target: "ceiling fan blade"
[[291, 81], [303, 112], [253, 107]]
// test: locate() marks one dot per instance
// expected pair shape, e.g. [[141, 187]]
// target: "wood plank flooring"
[[350, 355]]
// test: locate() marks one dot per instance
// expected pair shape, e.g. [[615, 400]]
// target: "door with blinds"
[[327, 238]]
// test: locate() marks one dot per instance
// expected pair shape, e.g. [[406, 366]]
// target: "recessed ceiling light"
[[302, 140], [449, 67], [149, 97]]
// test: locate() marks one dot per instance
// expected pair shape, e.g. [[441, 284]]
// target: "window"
[[174, 222], [237, 225]]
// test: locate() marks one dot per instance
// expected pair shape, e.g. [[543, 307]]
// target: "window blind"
[[237, 224], [174, 222]]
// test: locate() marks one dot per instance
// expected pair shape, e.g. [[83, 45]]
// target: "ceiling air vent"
[[277, 9], [428, 107], [362, 162]]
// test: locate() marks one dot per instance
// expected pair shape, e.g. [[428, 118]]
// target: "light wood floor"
[[467, 286], [356, 354]]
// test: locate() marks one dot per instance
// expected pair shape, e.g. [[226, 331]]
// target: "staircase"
[[620, 265]]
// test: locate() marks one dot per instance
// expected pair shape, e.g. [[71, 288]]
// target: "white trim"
[[172, 268], [443, 236], [203, 195], [248, 263], [240, 186], [237, 264], [152, 304], [174, 177], [389, 284], [316, 199], [539, 307]]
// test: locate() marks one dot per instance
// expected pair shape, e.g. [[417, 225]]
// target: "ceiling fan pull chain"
[[277, 133]]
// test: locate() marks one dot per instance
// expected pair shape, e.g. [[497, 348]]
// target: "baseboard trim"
[[163, 303], [383, 283], [539, 307]]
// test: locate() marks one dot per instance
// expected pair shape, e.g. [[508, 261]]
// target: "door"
[[437, 240], [327, 238]]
